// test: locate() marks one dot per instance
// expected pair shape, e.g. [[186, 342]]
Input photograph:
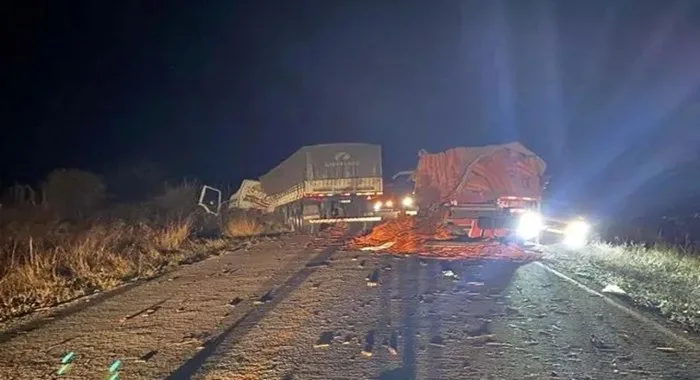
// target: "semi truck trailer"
[[326, 183], [485, 192]]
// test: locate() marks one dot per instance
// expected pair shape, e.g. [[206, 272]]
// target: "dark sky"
[[606, 91]]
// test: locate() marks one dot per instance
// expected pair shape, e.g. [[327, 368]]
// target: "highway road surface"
[[295, 308]]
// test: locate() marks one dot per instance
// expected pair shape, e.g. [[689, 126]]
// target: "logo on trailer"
[[342, 159], [342, 156]]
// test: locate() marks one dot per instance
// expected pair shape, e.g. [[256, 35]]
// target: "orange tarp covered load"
[[478, 174]]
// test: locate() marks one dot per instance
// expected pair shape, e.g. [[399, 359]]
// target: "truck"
[[325, 183], [250, 196], [485, 192]]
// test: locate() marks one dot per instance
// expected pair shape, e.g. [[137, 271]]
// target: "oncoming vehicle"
[[398, 198]]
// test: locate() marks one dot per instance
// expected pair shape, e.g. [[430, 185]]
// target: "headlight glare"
[[576, 234], [530, 225], [377, 206], [407, 202]]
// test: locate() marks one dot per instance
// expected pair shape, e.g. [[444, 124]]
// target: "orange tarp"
[[478, 174]]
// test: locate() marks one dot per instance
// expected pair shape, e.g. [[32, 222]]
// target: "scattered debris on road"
[[369, 344], [144, 312], [666, 349], [437, 341], [393, 344], [267, 297], [449, 273], [402, 235], [324, 340], [373, 279], [147, 356], [614, 289]]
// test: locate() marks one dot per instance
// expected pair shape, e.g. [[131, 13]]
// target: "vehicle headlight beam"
[[530, 225], [576, 234]]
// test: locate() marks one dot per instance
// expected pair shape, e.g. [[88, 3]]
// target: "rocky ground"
[[294, 308]]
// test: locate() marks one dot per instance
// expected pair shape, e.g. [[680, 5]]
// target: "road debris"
[[437, 341], [234, 302], [666, 349], [147, 356], [393, 344], [449, 273], [369, 344], [267, 297], [481, 340], [614, 289], [381, 247], [373, 279], [144, 312], [324, 340]]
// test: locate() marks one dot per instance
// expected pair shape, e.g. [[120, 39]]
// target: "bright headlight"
[[389, 204], [377, 206], [576, 233], [530, 225], [407, 202]]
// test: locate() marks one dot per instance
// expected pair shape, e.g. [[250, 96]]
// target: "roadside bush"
[[73, 193], [176, 201]]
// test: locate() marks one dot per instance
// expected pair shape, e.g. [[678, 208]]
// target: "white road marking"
[[693, 345]]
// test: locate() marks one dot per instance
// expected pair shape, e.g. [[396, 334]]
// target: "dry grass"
[[46, 259], [243, 226], [662, 277], [174, 234], [42, 264]]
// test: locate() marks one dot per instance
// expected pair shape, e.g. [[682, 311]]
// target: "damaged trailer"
[[326, 183], [484, 192]]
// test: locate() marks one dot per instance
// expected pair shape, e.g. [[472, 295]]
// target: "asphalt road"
[[290, 309]]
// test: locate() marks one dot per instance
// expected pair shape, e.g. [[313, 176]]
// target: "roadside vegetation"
[[658, 270], [69, 239]]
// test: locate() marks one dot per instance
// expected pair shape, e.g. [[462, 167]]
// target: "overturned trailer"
[[486, 192], [325, 184]]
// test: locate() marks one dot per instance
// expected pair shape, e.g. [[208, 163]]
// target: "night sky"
[[606, 91]]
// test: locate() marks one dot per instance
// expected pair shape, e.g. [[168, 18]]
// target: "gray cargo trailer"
[[326, 183]]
